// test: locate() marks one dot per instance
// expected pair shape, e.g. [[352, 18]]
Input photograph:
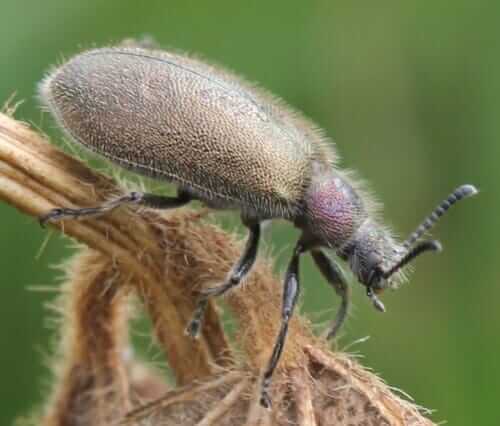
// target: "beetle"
[[231, 145]]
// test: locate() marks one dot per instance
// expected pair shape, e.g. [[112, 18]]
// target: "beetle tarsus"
[[194, 326], [48, 217], [58, 214], [265, 400]]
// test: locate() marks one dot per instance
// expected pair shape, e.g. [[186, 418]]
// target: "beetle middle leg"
[[290, 296], [140, 198], [334, 277], [234, 278]]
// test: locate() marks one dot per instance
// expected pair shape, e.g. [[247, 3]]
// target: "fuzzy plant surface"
[[164, 259]]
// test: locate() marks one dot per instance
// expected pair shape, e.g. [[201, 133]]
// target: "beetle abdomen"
[[172, 117]]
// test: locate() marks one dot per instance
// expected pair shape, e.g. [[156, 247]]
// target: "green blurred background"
[[410, 92]]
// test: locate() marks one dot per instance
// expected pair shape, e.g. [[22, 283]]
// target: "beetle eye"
[[370, 272], [373, 260]]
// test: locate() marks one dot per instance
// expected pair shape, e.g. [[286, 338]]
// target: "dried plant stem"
[[89, 361], [165, 256], [35, 177]]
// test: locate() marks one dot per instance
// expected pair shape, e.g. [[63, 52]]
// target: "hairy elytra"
[[231, 145]]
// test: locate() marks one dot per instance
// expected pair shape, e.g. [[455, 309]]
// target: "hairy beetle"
[[232, 146]]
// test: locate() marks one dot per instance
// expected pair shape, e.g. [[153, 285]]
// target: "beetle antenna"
[[422, 247], [458, 194]]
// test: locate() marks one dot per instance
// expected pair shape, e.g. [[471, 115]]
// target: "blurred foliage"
[[410, 91]]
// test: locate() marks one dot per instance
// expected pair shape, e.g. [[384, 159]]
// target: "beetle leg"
[[290, 296], [336, 279], [140, 198], [238, 272]]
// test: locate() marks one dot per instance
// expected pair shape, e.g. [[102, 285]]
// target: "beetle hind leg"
[[239, 271], [139, 198]]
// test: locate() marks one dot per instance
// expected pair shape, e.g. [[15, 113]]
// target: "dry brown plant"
[[164, 257]]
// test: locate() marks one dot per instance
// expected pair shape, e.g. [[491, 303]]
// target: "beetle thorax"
[[334, 210]]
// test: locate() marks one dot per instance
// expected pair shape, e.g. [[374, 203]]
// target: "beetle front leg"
[[336, 279], [238, 272]]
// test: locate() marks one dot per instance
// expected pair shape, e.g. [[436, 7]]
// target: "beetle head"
[[336, 218], [377, 259]]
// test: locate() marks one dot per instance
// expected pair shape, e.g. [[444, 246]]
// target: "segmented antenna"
[[461, 192], [429, 245]]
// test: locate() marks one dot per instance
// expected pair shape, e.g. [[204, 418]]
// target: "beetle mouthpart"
[[377, 303]]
